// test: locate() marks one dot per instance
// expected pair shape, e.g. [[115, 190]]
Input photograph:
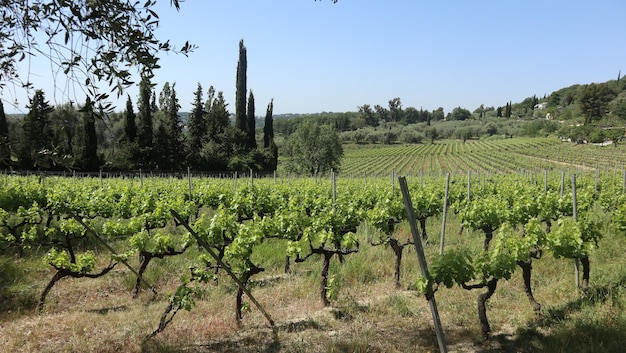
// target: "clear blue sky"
[[314, 56]]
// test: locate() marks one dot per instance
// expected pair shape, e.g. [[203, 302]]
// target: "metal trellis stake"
[[408, 204]]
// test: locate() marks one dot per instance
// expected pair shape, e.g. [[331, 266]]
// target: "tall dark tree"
[[65, 124], [425, 116], [127, 155], [382, 112], [251, 129], [268, 128], [219, 116], [368, 115], [395, 109], [170, 134], [209, 100], [227, 140], [268, 137], [130, 124], [145, 125], [153, 103], [594, 101], [241, 122], [164, 96], [197, 126], [89, 153], [5, 146], [35, 146]]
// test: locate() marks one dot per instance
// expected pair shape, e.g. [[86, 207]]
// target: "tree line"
[[594, 106], [154, 137]]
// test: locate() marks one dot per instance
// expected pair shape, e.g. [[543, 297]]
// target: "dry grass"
[[369, 316]]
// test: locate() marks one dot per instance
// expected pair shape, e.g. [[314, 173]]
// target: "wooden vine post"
[[430, 296]]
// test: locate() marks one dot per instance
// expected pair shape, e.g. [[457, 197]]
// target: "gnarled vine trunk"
[[526, 267], [245, 277], [324, 281], [482, 307], [397, 249], [585, 284]]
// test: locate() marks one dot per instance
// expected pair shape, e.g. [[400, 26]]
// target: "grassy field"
[[368, 315]]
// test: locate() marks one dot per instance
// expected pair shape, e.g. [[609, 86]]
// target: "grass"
[[369, 315]]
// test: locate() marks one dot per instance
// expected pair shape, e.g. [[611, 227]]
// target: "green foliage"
[[117, 35], [619, 218], [572, 239], [540, 127], [594, 100], [160, 242], [501, 259], [452, 267], [217, 229], [332, 288], [313, 149], [60, 259], [485, 213], [35, 149], [459, 113], [170, 150], [386, 213], [241, 123], [20, 230]]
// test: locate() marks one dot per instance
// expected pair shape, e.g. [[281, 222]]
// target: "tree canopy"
[[313, 149], [594, 101], [88, 41]]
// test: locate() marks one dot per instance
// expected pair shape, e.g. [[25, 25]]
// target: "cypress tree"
[[268, 128], [5, 150], [89, 153], [128, 155], [174, 134], [153, 103], [35, 132], [268, 136], [145, 126], [251, 123], [197, 129], [209, 100], [219, 115], [130, 126], [164, 96], [240, 94]]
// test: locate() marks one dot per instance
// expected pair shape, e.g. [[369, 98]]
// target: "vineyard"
[[503, 156], [525, 254]]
